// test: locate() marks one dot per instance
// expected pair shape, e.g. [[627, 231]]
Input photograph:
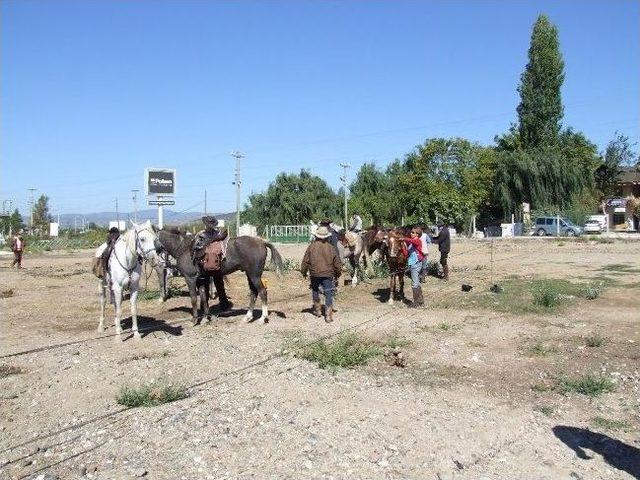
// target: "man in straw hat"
[[322, 262]]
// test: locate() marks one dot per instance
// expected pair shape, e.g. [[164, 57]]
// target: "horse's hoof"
[[265, 319], [137, 336]]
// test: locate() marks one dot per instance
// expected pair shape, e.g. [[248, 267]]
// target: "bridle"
[[137, 253]]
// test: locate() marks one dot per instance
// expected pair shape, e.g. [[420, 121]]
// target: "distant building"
[[623, 209]]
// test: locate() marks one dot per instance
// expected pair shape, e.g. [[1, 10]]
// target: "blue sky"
[[93, 92]]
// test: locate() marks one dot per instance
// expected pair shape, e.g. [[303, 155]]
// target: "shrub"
[[592, 291], [545, 295], [150, 395]]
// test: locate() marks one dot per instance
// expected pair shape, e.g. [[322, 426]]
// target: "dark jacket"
[[443, 240], [206, 237], [321, 260]]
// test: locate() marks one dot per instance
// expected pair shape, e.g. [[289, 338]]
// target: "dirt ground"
[[478, 397]]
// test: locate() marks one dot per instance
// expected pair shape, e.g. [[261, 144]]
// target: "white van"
[[596, 224]]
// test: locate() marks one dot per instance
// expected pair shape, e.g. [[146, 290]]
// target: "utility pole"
[[32, 206], [135, 205], [344, 188], [205, 202], [117, 215], [237, 183]]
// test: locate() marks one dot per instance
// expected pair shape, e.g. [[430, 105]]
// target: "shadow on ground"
[[147, 325], [616, 453]]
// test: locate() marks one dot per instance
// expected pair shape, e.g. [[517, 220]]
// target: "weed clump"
[[545, 295], [346, 351], [594, 341], [606, 424], [588, 385], [592, 291], [7, 370], [150, 395]]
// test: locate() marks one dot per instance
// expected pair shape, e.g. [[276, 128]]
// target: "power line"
[[238, 156]]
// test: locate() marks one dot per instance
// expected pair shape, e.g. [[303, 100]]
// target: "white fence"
[[288, 233]]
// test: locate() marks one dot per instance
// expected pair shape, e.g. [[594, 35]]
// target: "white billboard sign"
[[53, 229]]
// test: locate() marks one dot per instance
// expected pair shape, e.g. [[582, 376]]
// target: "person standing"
[[414, 262], [443, 240], [321, 261], [356, 224], [426, 241], [17, 247]]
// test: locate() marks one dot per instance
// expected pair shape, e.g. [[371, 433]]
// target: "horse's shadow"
[[616, 453], [147, 325], [215, 311]]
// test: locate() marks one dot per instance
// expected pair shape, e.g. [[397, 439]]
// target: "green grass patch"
[[149, 294], [588, 385], [522, 295], [395, 340], [594, 341], [150, 395], [540, 350], [607, 424], [346, 351], [540, 388]]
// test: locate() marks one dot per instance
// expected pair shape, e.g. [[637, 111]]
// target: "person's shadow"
[[616, 453]]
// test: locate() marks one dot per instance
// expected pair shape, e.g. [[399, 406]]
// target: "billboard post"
[[161, 184]]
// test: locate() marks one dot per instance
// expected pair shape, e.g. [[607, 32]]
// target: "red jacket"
[[417, 243]]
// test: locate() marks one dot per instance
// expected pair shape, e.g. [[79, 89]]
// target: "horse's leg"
[[253, 293], [101, 288], [207, 295], [392, 287], [193, 293], [354, 265], [401, 285], [262, 291], [117, 296], [133, 299]]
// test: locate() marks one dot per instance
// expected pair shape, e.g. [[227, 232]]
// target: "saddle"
[[213, 256]]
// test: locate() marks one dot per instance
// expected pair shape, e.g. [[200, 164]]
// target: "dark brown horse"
[[244, 253], [395, 253]]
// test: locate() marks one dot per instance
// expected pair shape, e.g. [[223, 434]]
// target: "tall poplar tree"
[[540, 110]]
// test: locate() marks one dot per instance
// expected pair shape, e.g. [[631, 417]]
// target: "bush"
[[594, 341], [545, 295]]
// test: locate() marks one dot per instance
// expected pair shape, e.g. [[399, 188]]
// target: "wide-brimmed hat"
[[210, 221], [322, 232]]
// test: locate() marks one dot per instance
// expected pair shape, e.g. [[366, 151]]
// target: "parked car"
[[549, 226], [592, 226]]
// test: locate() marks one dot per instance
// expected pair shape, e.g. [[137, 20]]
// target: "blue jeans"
[[415, 274], [327, 287], [425, 266]]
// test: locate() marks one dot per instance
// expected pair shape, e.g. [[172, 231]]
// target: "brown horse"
[[244, 253], [395, 252]]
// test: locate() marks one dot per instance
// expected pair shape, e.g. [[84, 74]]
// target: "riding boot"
[[417, 292], [420, 297], [317, 309], [445, 273], [328, 314]]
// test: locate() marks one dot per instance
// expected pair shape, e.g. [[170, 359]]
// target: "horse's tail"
[[276, 259]]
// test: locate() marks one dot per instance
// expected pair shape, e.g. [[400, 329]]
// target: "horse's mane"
[[183, 242], [129, 238]]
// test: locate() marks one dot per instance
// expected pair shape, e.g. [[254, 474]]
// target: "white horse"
[[124, 270]]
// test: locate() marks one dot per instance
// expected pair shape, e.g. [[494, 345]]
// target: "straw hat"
[[322, 232]]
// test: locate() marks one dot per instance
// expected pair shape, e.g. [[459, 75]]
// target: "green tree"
[[540, 110], [618, 154], [41, 216], [449, 179], [291, 200], [12, 222]]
